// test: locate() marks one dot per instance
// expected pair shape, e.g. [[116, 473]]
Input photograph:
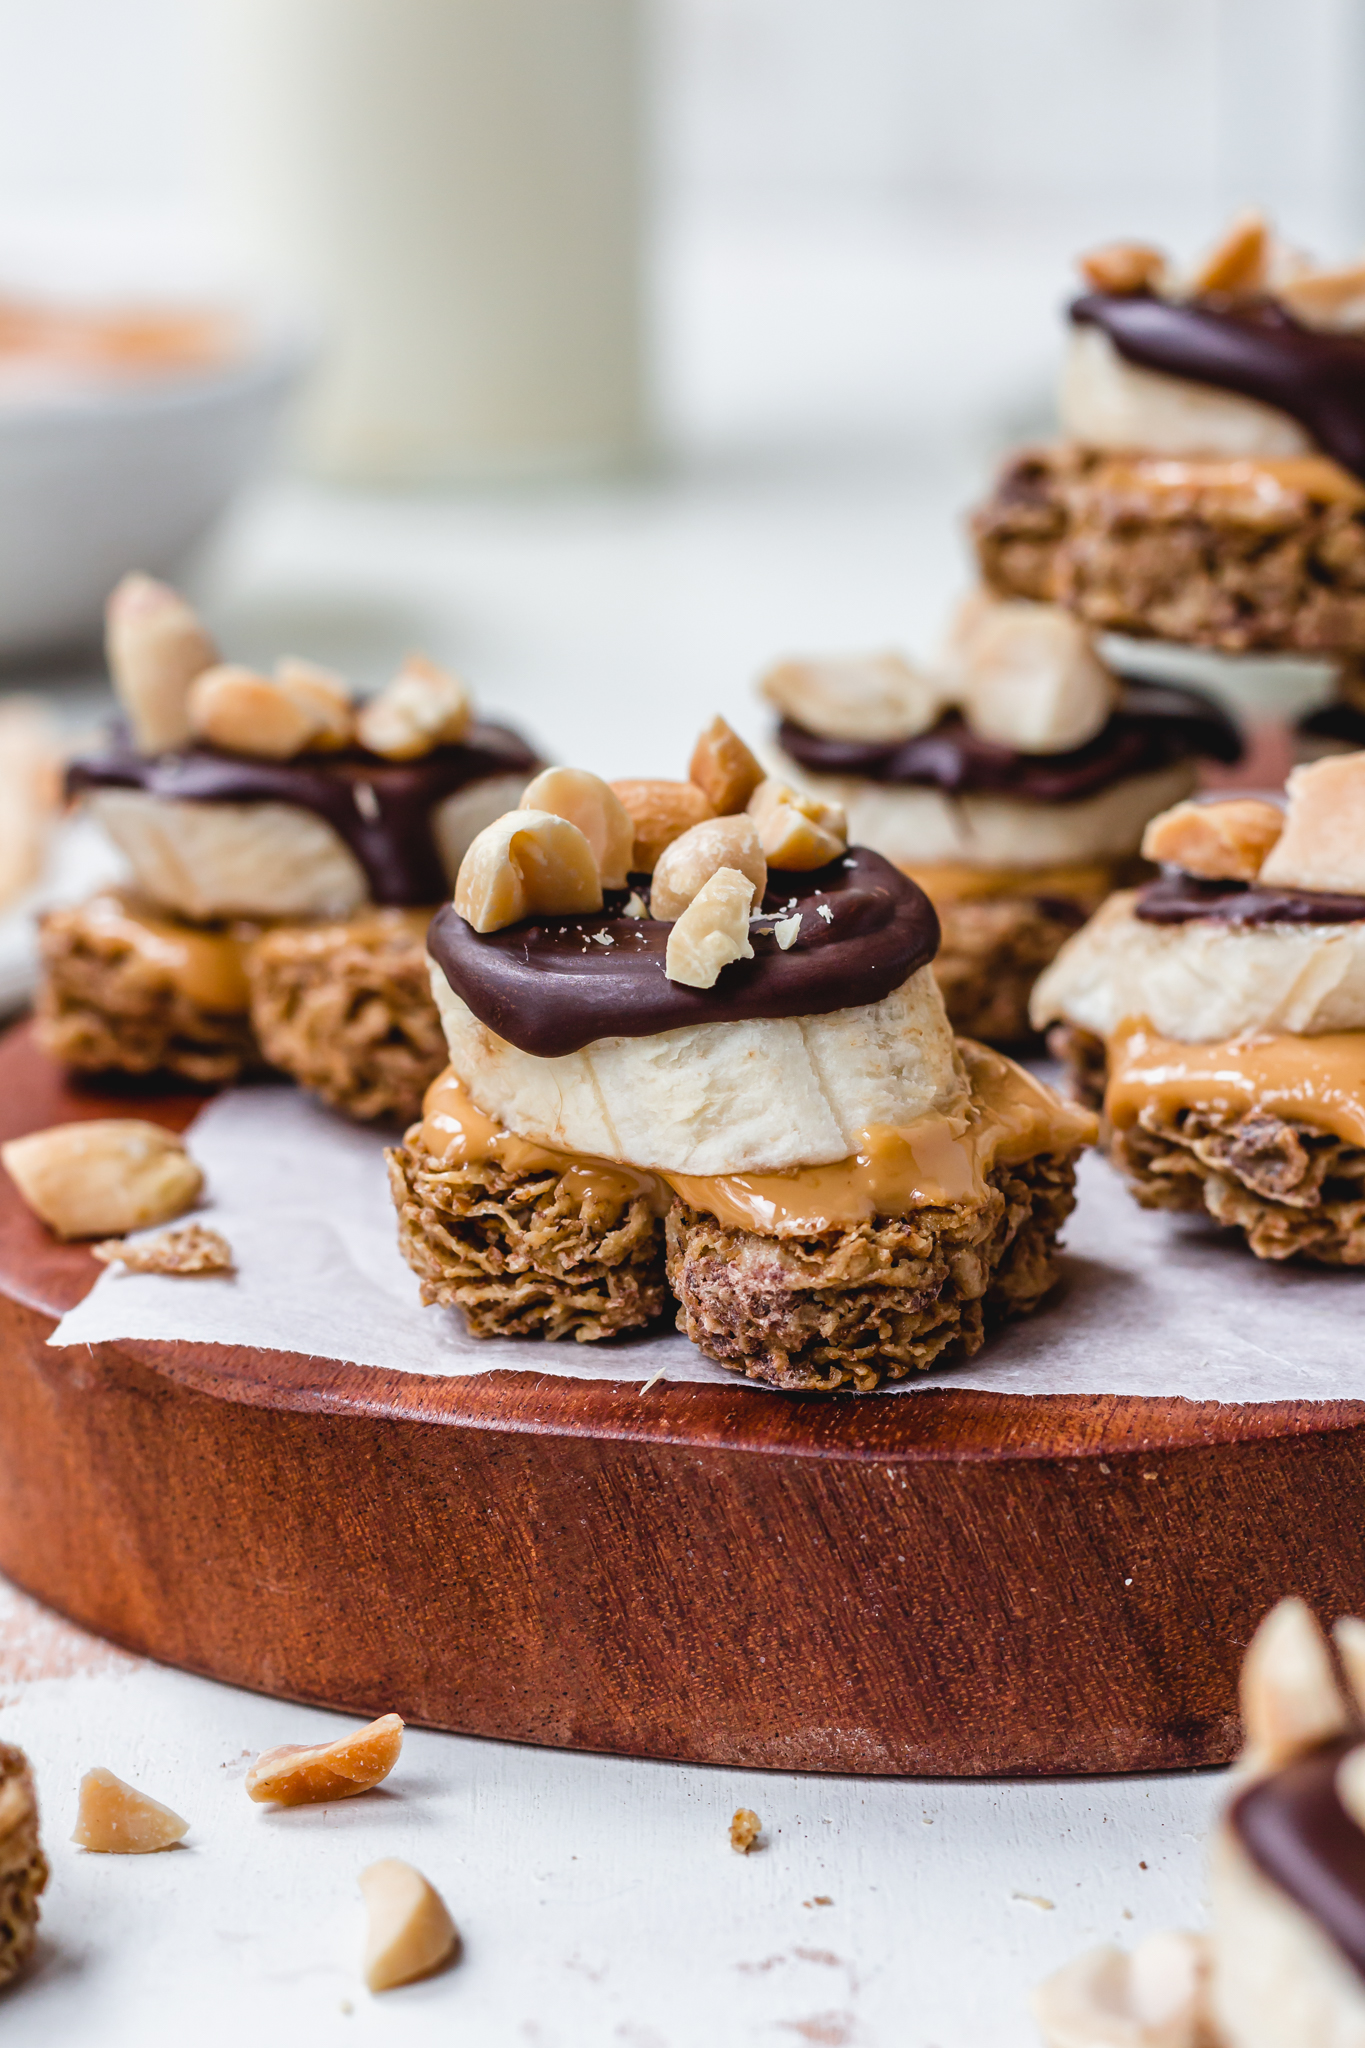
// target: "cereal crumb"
[[191, 1249], [744, 1830], [1032, 1899]]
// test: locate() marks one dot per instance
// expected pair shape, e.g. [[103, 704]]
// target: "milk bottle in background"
[[454, 189]]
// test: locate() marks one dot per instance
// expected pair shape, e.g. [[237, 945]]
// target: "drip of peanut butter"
[[204, 966], [1319, 1081], [933, 1163], [1269, 481]]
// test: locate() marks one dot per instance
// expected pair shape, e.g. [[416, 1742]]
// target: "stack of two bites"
[[696, 1044], [287, 847]]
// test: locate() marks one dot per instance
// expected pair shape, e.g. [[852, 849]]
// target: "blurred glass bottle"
[[454, 188]]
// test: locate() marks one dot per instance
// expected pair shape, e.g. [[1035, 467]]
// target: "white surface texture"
[[598, 1898], [1149, 1304]]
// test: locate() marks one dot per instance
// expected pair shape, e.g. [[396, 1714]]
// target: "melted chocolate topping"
[[1154, 726], [1250, 345], [552, 985], [1298, 1833], [1179, 899], [382, 809]]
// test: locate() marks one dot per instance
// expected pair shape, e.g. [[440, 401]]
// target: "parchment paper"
[[1149, 1304]]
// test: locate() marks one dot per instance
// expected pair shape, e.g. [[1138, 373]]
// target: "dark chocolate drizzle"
[[1154, 726], [389, 831], [550, 986], [1299, 1835], [1176, 898], [1251, 345]]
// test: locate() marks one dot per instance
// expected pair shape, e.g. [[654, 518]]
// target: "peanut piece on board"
[[115, 1819], [410, 1931], [745, 1829], [712, 931], [688, 864], [593, 805], [1215, 842], [523, 862], [155, 647], [104, 1177], [725, 771], [302, 1774], [661, 812]]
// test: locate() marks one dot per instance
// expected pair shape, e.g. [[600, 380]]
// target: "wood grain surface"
[[959, 1583]]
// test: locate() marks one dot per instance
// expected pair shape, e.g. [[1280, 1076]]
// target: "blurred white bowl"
[[99, 480]]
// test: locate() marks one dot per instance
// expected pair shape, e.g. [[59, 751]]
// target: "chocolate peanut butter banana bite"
[[1220, 1010], [1209, 488], [286, 847], [1013, 784], [696, 1045], [1283, 1963]]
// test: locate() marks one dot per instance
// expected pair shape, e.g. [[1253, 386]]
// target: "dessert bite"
[[696, 1045], [286, 848], [1209, 488], [1219, 1014], [1013, 784], [1283, 1963]]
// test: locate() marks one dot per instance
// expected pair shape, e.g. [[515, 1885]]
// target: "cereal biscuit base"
[[345, 1008], [1292, 1190], [526, 1255], [865, 1305], [104, 1007], [23, 1866], [992, 951], [1208, 566]]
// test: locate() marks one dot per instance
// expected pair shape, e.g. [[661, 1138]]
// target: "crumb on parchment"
[[744, 1830], [191, 1249]]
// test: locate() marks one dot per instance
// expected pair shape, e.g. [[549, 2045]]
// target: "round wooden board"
[[951, 1584]]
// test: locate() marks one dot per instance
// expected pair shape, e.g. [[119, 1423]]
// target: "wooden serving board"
[[957, 1583]]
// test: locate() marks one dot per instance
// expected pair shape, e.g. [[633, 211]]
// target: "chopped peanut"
[[689, 863], [115, 1819], [744, 1830], [1215, 842], [299, 1774], [103, 1177], [593, 805], [724, 769], [411, 1933], [661, 812], [523, 862], [156, 647], [712, 932]]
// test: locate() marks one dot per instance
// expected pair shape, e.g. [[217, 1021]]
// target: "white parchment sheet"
[[1149, 1304]]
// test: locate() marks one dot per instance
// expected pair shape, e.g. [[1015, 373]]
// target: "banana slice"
[[756, 1096], [916, 827], [1204, 981], [207, 860], [231, 860], [1106, 402]]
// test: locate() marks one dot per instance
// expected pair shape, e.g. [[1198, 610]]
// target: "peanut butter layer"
[[938, 1162], [1316, 1081], [125, 991]]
